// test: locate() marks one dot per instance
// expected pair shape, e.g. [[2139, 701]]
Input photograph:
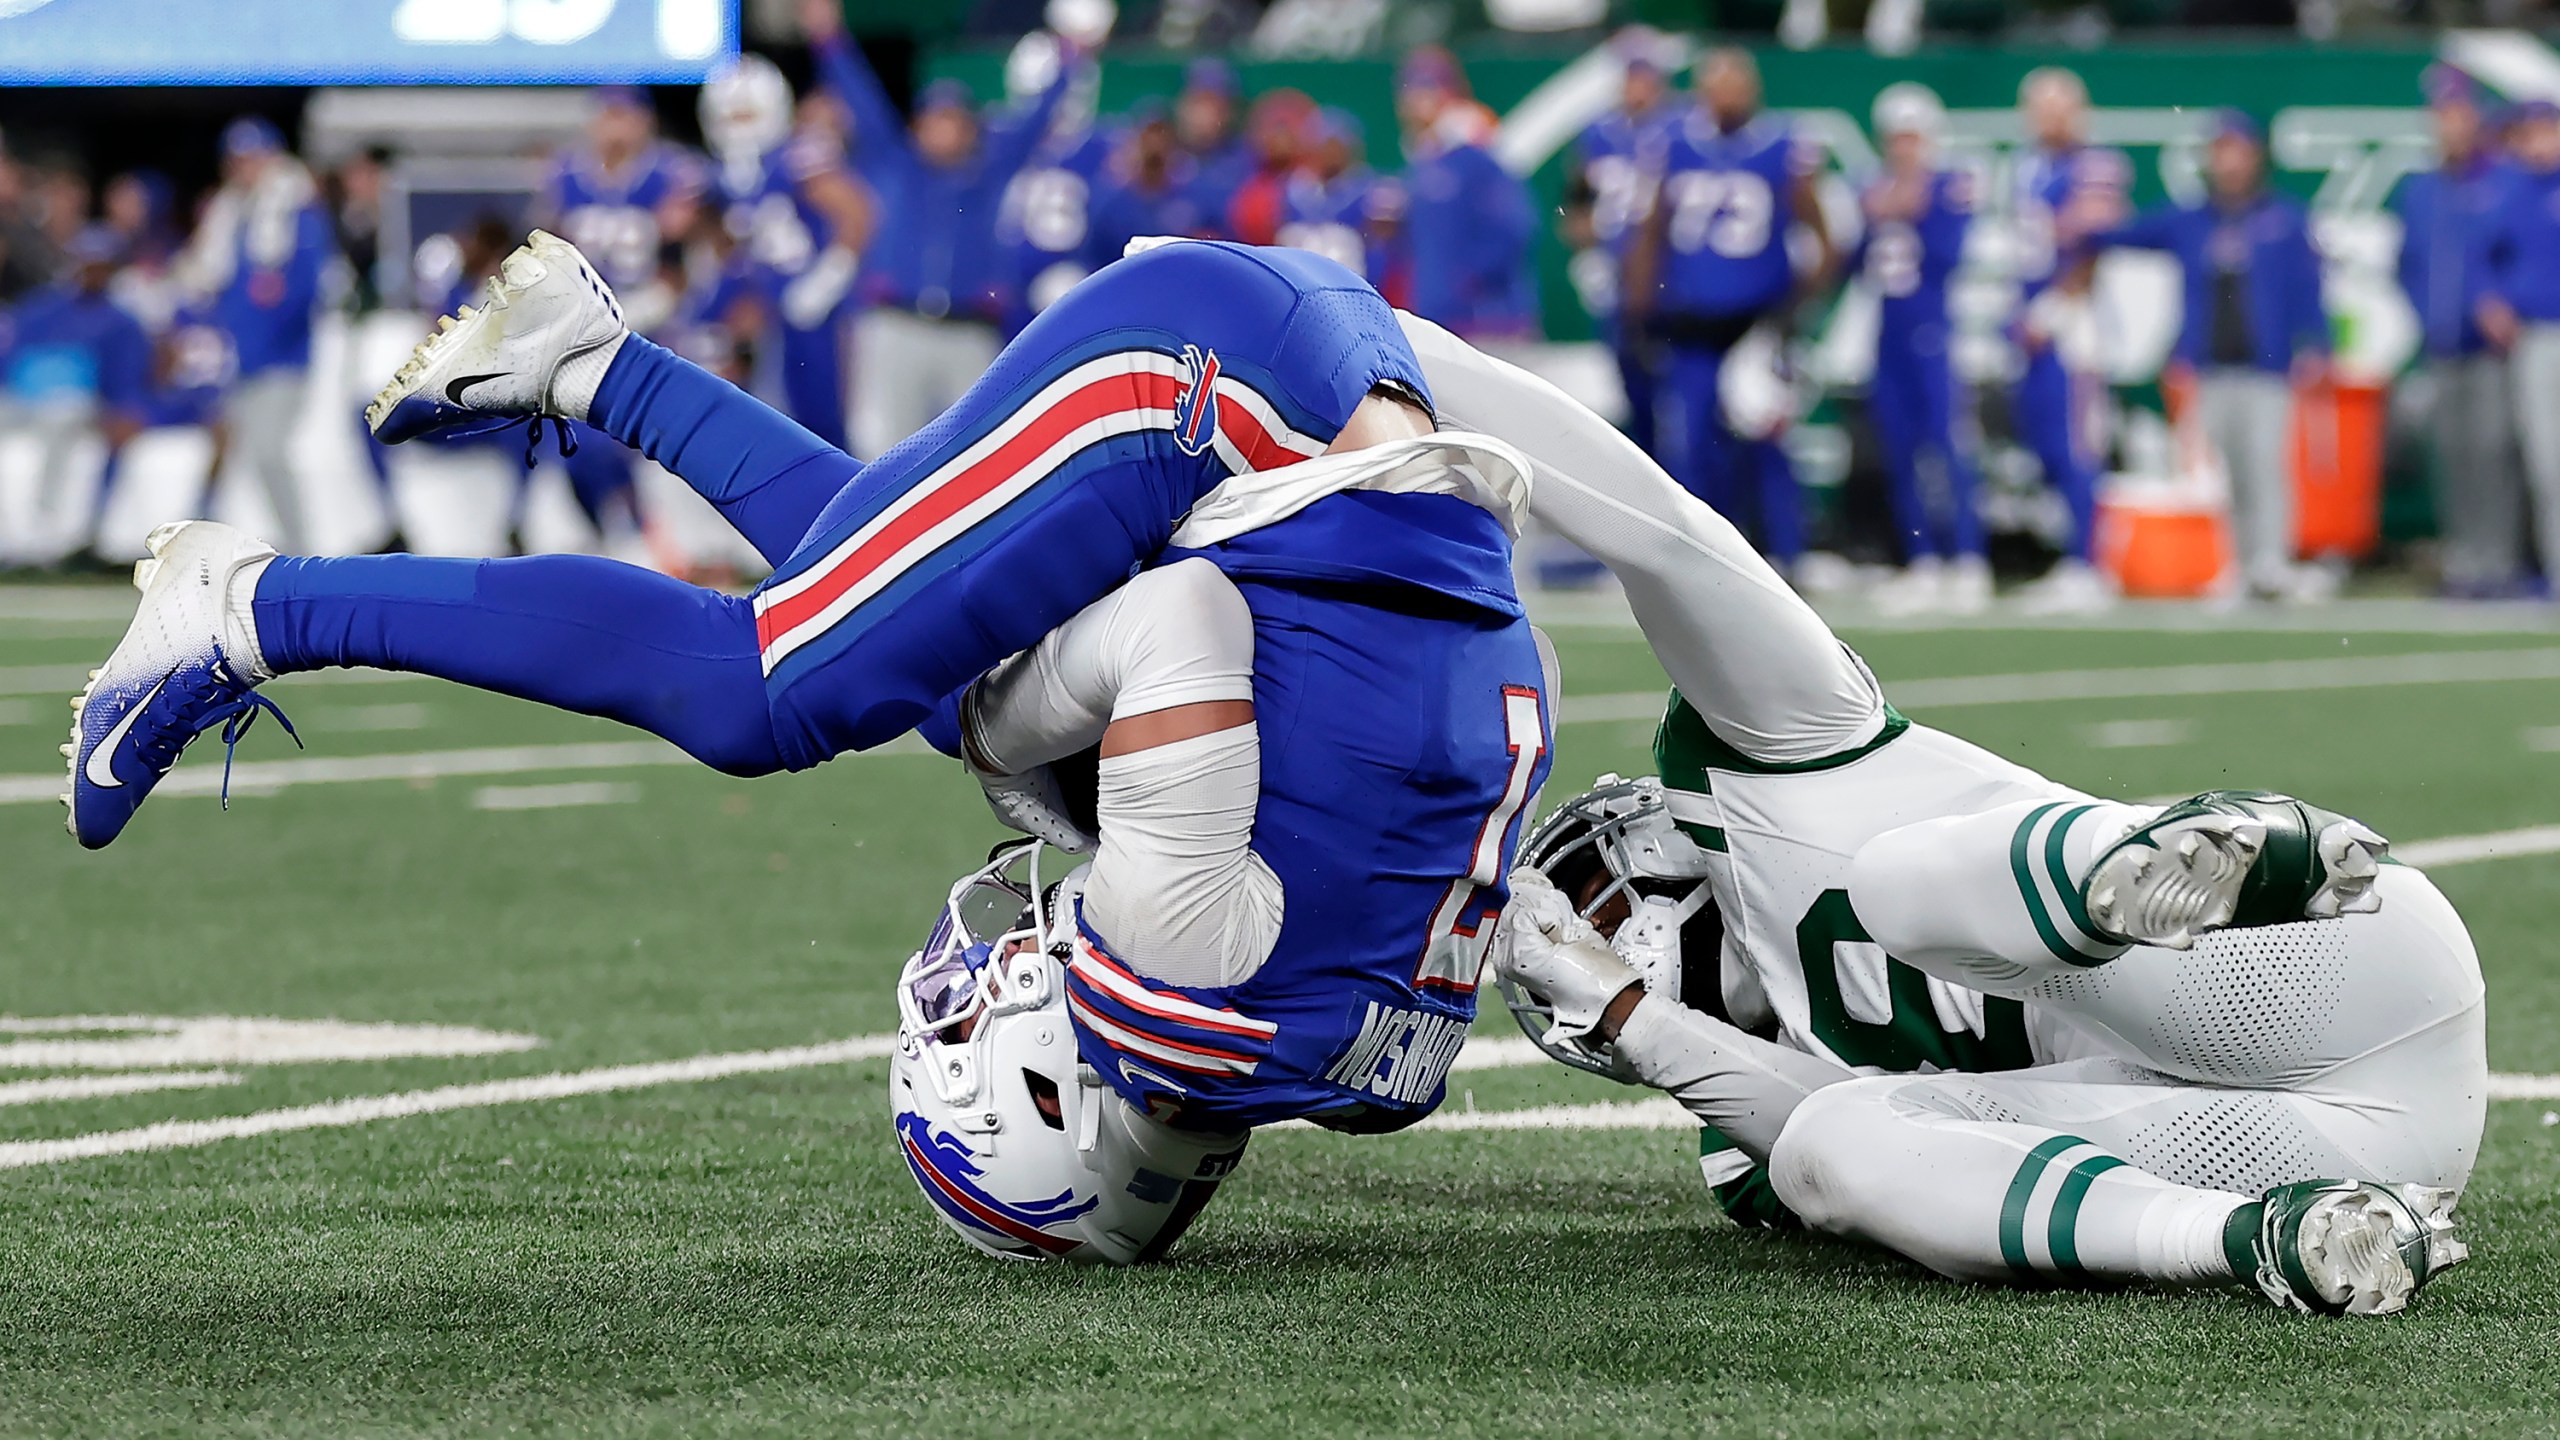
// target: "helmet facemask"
[[1018, 1145], [1642, 883]]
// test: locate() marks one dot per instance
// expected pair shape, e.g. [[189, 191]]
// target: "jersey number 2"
[[1462, 928]]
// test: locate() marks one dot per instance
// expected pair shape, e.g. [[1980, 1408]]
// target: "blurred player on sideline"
[[935, 282], [1917, 217], [1467, 223], [1712, 266], [623, 198], [1336, 206], [801, 222], [1606, 200], [1148, 189], [1046, 222], [258, 255], [2068, 190], [1219, 161], [73, 366]]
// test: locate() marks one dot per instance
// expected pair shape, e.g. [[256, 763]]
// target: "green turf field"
[[747, 1255]]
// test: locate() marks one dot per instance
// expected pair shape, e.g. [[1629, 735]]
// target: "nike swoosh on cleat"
[[453, 391], [101, 773]]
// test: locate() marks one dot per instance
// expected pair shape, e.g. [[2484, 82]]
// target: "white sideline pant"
[[2248, 416], [260, 418], [908, 369]]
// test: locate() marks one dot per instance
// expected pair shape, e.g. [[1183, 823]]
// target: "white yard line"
[[2249, 677], [1651, 1114], [365, 1110], [94, 1087], [2464, 849], [570, 796]]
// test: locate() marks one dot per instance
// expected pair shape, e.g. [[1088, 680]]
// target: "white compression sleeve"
[[1170, 636], [1175, 889], [1739, 1083], [1760, 667]]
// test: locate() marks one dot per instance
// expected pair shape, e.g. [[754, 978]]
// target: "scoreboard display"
[[360, 42]]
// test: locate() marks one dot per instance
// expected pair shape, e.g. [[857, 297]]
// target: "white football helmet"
[[745, 108], [1642, 882], [1908, 107], [1016, 1143], [1758, 385]]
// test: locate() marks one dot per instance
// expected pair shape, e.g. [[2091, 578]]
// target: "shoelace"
[[236, 706], [562, 437]]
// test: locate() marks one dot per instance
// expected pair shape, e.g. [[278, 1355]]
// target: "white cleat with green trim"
[[2232, 858], [2352, 1247]]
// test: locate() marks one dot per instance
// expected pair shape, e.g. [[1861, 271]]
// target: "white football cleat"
[[183, 667], [2071, 587], [2232, 858], [2351, 1247], [547, 329]]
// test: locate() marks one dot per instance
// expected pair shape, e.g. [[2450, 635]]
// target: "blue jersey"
[[1909, 261], [66, 345], [1126, 210], [1404, 740], [2063, 198], [1468, 226], [1335, 219], [1215, 177], [1047, 221], [2451, 247], [612, 215], [1729, 199], [778, 231], [1617, 158]]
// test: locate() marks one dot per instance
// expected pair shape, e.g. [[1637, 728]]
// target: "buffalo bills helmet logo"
[[950, 1174], [1195, 413]]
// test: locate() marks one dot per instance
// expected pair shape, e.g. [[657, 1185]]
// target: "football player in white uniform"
[[1956, 1008]]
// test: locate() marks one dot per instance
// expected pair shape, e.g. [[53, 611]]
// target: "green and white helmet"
[[1640, 881]]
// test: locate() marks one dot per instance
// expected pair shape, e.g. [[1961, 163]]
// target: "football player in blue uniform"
[[1607, 197], [1710, 266], [1260, 411], [1204, 119], [1335, 206], [2068, 191], [801, 222], [1917, 218], [1046, 220], [620, 198]]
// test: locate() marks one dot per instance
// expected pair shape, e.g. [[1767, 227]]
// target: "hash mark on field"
[[98, 1087], [2137, 734], [554, 797]]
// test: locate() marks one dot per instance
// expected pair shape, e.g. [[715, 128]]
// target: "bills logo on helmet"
[[949, 1174], [1195, 414]]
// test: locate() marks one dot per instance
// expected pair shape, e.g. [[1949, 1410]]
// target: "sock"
[[1991, 900], [573, 389], [767, 476], [240, 623], [578, 633], [1904, 1166]]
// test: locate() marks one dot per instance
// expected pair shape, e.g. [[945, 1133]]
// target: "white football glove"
[[1034, 803], [818, 290], [1553, 953]]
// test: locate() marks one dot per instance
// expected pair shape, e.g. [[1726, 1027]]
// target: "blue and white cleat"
[[182, 668], [546, 330]]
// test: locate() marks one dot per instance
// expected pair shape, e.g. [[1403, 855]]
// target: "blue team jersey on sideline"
[[1332, 218], [778, 231], [1619, 154], [1048, 214], [1730, 198], [1404, 739], [1909, 262], [612, 216], [2050, 184]]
